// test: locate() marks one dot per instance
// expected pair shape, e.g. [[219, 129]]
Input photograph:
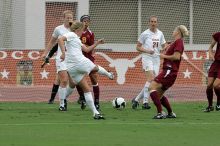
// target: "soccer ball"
[[119, 103]]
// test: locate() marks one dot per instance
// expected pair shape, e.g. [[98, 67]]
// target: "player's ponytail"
[[184, 31]]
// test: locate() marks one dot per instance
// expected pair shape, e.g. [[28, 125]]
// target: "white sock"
[[90, 102], [69, 91], [62, 95], [140, 95], [146, 92], [103, 71]]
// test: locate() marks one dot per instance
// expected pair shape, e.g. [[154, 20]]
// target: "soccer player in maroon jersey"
[[214, 74], [168, 75], [88, 39]]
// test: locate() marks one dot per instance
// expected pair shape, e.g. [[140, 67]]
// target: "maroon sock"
[[156, 100], [80, 91], [96, 93], [54, 92], [164, 101], [209, 93], [217, 93]]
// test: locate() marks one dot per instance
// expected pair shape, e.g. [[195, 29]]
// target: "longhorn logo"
[[121, 65]]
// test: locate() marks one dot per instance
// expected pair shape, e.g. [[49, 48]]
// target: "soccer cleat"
[[134, 103], [98, 117], [97, 106], [171, 115], [50, 101], [146, 106], [209, 109], [83, 104], [111, 76], [217, 107], [61, 108], [159, 116]]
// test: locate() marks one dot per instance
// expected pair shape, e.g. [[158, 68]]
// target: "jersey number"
[[83, 40], [155, 44]]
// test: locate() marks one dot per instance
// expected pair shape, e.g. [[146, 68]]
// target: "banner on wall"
[[23, 68]]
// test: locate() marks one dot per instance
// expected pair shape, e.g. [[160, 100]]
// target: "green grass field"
[[40, 124]]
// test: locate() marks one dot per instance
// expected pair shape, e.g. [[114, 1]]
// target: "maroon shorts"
[[166, 78], [214, 70], [89, 56]]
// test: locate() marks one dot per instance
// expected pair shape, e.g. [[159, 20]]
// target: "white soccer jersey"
[[59, 31], [74, 53], [77, 64], [153, 41]]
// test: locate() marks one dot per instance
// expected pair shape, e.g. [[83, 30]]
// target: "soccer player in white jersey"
[[149, 44], [78, 66], [62, 77]]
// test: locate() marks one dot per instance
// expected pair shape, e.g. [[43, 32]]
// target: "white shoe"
[[111, 76], [171, 115]]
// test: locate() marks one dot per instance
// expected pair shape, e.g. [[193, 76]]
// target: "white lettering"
[[31, 56], [4, 54], [13, 55], [195, 56]]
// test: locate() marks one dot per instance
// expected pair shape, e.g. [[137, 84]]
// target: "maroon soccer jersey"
[[176, 46], [216, 37], [170, 68], [87, 38]]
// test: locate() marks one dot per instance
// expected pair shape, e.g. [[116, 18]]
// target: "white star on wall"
[[187, 74], [44, 74], [4, 74]]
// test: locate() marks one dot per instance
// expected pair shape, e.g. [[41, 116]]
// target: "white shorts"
[[83, 68], [151, 64], [60, 65]]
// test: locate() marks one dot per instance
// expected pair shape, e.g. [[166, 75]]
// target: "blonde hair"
[[67, 12], [183, 30], [74, 25]]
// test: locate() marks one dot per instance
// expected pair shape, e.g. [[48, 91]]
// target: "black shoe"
[[146, 106], [217, 107], [97, 106], [83, 104], [209, 109], [61, 108], [171, 115], [80, 99], [50, 101], [134, 103], [159, 116], [65, 104], [98, 117]]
